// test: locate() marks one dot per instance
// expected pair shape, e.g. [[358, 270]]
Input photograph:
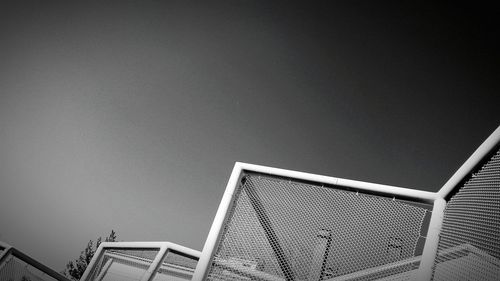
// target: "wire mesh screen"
[[176, 266], [280, 229], [469, 245], [14, 269], [122, 264]]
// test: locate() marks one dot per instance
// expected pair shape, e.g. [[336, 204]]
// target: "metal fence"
[[282, 225], [469, 245], [17, 266], [141, 261], [276, 224], [280, 228]]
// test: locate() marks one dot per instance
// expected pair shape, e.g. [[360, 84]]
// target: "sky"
[[130, 115]]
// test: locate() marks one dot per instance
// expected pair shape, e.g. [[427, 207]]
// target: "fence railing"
[[141, 261], [274, 224], [17, 266]]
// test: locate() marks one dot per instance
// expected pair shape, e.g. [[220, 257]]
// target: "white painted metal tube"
[[121, 257], [372, 187], [9, 252], [133, 244], [146, 263], [239, 168], [155, 264], [217, 224], [483, 150], [104, 270], [424, 272], [183, 249], [163, 247], [92, 262]]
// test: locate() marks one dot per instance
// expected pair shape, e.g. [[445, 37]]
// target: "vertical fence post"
[[424, 272], [155, 264]]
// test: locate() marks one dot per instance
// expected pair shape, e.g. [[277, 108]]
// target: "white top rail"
[[354, 184]]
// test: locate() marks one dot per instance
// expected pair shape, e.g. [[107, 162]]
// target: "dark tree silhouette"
[[75, 269]]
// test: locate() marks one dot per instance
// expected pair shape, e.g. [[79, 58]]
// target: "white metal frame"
[[9, 251], [437, 199], [474, 160], [163, 249], [240, 168]]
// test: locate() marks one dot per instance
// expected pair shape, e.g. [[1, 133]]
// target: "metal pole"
[[217, 225], [155, 264], [424, 272]]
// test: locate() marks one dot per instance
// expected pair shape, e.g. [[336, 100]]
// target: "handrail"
[[11, 251]]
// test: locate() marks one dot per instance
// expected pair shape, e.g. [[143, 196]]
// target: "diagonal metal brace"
[[269, 231]]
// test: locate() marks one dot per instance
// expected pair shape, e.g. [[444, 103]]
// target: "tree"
[[75, 269]]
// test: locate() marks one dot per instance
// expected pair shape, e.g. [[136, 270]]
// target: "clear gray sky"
[[130, 115]]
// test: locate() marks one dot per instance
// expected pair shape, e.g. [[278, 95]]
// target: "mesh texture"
[[469, 245], [122, 264], [176, 267], [176, 259], [15, 269], [279, 229]]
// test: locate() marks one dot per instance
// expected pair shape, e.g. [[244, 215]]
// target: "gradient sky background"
[[130, 115]]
